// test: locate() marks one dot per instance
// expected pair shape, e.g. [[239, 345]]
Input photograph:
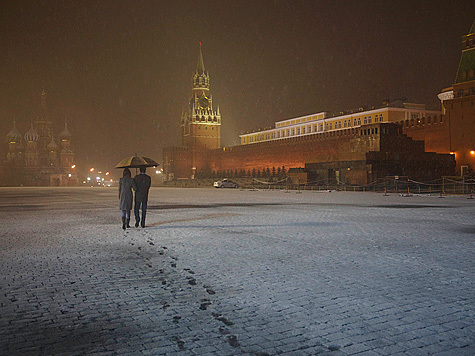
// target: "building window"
[[369, 119], [365, 120], [298, 131], [293, 132], [303, 130]]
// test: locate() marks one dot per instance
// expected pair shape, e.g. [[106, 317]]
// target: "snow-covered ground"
[[234, 272]]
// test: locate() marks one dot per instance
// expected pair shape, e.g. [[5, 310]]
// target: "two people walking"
[[140, 184]]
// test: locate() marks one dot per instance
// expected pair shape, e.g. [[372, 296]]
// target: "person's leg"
[[136, 213], [144, 212], [123, 219], [128, 218]]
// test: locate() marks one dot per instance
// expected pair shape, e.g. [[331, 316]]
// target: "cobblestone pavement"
[[231, 272]]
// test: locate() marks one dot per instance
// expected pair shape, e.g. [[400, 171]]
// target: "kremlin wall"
[[394, 139]]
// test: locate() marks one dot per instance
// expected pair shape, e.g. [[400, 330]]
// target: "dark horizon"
[[122, 73]]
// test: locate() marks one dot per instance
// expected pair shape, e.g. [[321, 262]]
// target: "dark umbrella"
[[136, 162]]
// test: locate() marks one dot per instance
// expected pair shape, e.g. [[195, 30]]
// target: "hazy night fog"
[[120, 71]]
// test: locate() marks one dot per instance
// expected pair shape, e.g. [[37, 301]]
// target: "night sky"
[[120, 71]]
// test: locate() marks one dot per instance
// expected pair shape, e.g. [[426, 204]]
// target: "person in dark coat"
[[142, 182], [126, 184]]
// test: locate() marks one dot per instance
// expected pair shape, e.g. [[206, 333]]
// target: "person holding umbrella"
[[126, 184], [142, 182]]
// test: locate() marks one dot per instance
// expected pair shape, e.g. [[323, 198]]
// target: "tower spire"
[[43, 99], [200, 67]]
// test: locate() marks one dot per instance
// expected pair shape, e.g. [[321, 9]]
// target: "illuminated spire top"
[[201, 77], [200, 67], [466, 69]]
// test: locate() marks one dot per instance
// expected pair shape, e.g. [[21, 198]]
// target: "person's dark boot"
[[142, 223], [137, 223], [123, 223], [128, 223]]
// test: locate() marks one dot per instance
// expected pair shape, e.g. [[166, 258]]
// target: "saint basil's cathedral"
[[39, 158]]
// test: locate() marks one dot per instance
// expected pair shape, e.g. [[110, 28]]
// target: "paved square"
[[236, 272]]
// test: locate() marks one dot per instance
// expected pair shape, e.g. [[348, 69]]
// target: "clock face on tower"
[[203, 102]]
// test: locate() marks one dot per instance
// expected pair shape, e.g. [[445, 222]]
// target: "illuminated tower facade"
[[200, 123], [458, 104]]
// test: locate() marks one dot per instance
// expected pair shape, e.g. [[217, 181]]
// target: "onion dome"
[[14, 135], [31, 135], [65, 133], [52, 146]]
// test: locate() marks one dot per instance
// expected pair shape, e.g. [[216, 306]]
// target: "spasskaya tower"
[[200, 124]]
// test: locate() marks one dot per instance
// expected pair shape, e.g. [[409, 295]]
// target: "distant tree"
[[236, 174], [258, 173], [279, 172], [284, 172], [249, 173], [253, 173], [267, 172], [273, 171]]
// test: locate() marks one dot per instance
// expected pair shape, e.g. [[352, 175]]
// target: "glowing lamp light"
[[91, 170], [107, 173], [472, 153], [88, 178], [69, 175], [452, 153], [73, 166]]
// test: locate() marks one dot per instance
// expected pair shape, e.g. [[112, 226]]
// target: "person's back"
[[142, 183]]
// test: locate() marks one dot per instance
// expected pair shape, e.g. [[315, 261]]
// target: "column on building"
[[53, 148], [66, 155], [31, 150]]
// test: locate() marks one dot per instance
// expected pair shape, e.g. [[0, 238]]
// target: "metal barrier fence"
[[402, 185]]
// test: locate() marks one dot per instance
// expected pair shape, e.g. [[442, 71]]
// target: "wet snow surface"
[[231, 272]]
